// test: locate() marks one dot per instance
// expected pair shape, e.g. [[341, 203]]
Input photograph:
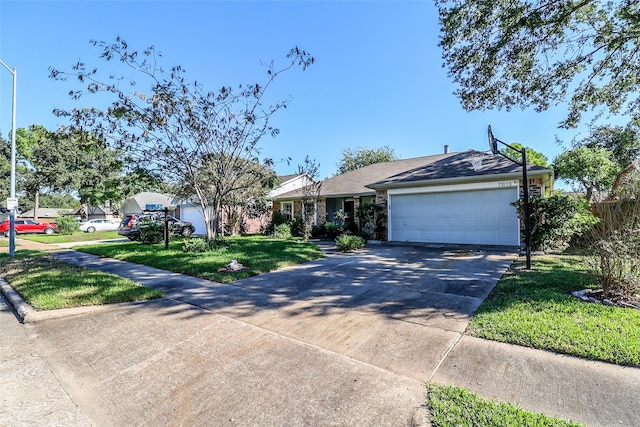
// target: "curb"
[[19, 305]]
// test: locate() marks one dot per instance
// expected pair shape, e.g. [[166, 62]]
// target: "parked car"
[[99, 225], [28, 226], [130, 225]]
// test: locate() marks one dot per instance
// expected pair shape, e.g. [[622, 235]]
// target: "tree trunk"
[[211, 221]]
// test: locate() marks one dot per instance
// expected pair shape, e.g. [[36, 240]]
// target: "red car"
[[28, 226]]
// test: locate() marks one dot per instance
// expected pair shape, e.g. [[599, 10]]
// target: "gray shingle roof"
[[450, 166], [354, 182], [459, 166]]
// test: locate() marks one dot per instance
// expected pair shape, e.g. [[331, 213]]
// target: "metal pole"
[[527, 219], [12, 185], [166, 228]]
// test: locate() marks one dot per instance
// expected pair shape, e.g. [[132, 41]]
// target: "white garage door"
[[194, 215], [464, 217]]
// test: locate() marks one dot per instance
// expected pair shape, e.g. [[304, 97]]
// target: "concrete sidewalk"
[[303, 359]]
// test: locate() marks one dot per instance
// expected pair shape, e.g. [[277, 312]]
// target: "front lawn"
[[535, 309], [456, 407], [78, 236], [48, 284], [259, 253]]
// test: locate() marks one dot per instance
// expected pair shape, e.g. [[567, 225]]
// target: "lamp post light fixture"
[[12, 185], [493, 146]]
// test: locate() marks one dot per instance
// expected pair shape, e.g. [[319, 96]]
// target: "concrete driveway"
[[399, 308], [349, 339]]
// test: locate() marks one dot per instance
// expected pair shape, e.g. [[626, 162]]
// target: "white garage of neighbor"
[[466, 214]]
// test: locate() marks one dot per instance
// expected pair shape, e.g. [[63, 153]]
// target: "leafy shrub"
[[318, 230], [555, 220], [332, 229], [296, 225], [282, 231], [200, 245], [276, 220], [67, 225], [372, 220], [151, 233], [346, 243]]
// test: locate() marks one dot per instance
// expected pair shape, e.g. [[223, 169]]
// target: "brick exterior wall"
[[321, 208], [535, 187]]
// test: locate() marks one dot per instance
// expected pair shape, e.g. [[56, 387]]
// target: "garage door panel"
[[465, 217]]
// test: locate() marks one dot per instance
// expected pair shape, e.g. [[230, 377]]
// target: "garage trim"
[[497, 239]]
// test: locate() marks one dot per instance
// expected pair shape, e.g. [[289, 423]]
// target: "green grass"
[[78, 236], [535, 309], [48, 284], [452, 406], [260, 254]]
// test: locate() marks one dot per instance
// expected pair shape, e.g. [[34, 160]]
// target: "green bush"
[[555, 220], [276, 220], [151, 233], [282, 231], [296, 225], [200, 245], [346, 243], [67, 225], [318, 230], [332, 229]]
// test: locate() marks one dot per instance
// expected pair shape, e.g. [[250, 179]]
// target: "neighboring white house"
[[192, 212]]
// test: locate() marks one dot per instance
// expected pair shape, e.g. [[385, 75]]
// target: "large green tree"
[[595, 161], [622, 142], [591, 169], [539, 53], [359, 157], [68, 161], [175, 124], [46, 164]]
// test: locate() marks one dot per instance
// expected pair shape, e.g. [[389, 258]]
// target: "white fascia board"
[[485, 185]]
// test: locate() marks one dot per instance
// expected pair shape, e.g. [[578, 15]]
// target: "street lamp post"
[[12, 185], [493, 145]]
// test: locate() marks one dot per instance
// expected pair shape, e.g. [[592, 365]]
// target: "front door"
[[349, 210]]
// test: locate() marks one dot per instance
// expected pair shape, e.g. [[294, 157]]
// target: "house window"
[[286, 209]]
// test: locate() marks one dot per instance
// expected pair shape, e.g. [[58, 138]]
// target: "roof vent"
[[446, 149]]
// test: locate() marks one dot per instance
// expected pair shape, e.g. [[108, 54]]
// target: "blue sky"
[[378, 78]]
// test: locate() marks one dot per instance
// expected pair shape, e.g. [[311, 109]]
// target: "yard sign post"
[[493, 146], [12, 185]]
